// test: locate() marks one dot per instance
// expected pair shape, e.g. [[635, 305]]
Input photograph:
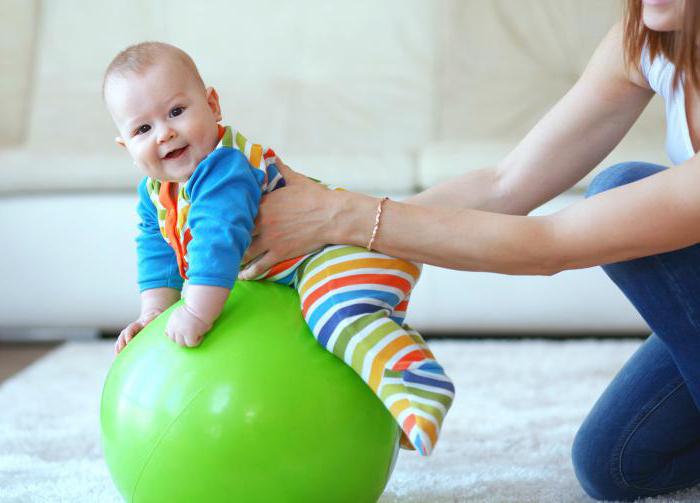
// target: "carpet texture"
[[507, 438]]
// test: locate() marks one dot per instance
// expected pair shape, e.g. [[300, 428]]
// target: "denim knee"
[[591, 465], [592, 456], [621, 174]]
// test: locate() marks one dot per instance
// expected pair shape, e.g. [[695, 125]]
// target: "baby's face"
[[166, 120]]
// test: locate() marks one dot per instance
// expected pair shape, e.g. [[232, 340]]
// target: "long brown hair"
[[679, 47]]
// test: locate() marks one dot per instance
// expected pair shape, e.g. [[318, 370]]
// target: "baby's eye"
[[177, 111], [142, 129]]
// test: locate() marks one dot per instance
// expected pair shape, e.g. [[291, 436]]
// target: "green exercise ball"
[[259, 412]]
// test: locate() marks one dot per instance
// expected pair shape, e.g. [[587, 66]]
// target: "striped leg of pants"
[[355, 302]]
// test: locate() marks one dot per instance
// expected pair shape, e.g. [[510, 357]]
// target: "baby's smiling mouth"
[[174, 154]]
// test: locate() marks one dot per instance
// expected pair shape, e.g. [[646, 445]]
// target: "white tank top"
[[659, 75]]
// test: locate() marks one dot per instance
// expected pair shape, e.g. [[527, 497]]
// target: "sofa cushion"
[[28, 171], [445, 159]]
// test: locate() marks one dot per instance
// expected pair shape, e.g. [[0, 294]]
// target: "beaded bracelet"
[[380, 204]]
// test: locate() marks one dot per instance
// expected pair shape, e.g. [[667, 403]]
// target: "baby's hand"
[[185, 328], [132, 329]]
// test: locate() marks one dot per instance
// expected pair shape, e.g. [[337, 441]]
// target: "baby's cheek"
[[209, 139]]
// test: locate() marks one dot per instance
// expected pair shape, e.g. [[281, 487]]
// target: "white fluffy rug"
[[507, 438]]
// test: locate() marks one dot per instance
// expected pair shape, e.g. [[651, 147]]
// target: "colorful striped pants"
[[355, 303]]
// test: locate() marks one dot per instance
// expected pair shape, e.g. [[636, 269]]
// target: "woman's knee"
[[592, 461], [621, 174], [596, 456]]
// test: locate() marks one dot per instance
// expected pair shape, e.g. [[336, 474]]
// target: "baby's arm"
[[153, 302], [158, 276], [224, 195], [203, 304]]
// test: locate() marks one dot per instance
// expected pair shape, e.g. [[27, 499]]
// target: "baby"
[[197, 205]]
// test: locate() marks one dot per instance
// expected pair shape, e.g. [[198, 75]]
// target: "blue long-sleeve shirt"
[[214, 213]]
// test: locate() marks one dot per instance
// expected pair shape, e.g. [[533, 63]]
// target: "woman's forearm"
[[454, 238], [479, 189], [651, 216]]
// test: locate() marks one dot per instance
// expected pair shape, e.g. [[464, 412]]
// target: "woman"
[[642, 437]]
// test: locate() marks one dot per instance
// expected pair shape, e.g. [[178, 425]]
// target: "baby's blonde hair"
[[139, 57]]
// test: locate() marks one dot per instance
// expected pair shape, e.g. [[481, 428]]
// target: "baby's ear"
[[213, 101], [118, 140]]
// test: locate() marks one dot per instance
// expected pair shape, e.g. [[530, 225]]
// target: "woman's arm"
[[578, 133], [653, 215], [567, 143]]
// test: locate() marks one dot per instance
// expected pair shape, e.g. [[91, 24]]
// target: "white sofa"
[[384, 97]]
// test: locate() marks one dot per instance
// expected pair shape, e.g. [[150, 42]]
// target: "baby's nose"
[[166, 134]]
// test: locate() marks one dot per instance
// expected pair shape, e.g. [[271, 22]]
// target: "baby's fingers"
[[131, 331], [180, 339], [125, 336], [119, 345], [174, 334], [192, 341]]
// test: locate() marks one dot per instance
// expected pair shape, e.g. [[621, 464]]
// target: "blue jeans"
[[642, 437]]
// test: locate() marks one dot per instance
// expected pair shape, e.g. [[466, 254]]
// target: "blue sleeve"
[[224, 196], [157, 264]]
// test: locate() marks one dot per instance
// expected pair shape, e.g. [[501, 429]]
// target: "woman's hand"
[[292, 221]]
